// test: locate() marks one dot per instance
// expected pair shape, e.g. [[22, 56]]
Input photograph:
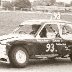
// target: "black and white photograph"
[[35, 35]]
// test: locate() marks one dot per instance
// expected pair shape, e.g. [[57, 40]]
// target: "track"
[[57, 65]]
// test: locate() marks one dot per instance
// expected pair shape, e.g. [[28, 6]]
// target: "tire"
[[18, 57]]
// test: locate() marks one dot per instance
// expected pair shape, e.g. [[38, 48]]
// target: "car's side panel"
[[42, 46], [56, 46], [31, 45]]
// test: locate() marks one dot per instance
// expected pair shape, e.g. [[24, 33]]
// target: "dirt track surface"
[[57, 65]]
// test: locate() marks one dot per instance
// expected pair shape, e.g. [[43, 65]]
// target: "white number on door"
[[50, 47]]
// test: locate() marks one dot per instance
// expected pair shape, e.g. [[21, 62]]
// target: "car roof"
[[42, 21], [31, 22]]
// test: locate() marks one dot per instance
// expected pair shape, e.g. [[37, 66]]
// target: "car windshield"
[[27, 29]]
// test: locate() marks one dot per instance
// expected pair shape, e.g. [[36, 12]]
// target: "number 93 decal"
[[50, 47]]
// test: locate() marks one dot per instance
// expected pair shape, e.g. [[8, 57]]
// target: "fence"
[[51, 8], [39, 8], [15, 9]]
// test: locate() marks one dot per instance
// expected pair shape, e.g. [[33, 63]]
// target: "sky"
[[31, 0], [12, 0], [66, 1], [6, 0]]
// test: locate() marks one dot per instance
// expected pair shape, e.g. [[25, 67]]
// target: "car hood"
[[12, 37]]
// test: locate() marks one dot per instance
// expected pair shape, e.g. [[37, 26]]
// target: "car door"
[[45, 40]]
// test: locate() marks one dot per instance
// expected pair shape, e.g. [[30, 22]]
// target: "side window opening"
[[49, 31], [43, 32]]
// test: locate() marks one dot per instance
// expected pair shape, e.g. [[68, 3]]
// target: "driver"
[[51, 33]]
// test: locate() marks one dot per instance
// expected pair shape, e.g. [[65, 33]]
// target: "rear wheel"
[[18, 57]]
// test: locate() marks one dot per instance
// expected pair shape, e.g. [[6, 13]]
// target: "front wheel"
[[18, 57]]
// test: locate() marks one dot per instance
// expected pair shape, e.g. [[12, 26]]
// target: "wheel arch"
[[20, 45]]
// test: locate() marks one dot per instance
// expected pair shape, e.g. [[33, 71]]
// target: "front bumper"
[[3, 54]]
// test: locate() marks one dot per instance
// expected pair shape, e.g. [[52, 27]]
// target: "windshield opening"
[[27, 29]]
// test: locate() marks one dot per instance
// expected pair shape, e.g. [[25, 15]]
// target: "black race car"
[[38, 39]]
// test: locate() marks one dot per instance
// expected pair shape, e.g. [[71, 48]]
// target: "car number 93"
[[50, 47]]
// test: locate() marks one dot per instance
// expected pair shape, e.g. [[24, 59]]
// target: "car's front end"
[[21, 33]]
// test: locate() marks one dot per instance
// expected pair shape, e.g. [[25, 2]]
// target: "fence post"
[[21, 9], [14, 8]]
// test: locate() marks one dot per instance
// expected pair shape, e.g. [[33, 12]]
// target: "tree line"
[[20, 4], [17, 4]]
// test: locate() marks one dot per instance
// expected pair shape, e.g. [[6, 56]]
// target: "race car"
[[38, 39]]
